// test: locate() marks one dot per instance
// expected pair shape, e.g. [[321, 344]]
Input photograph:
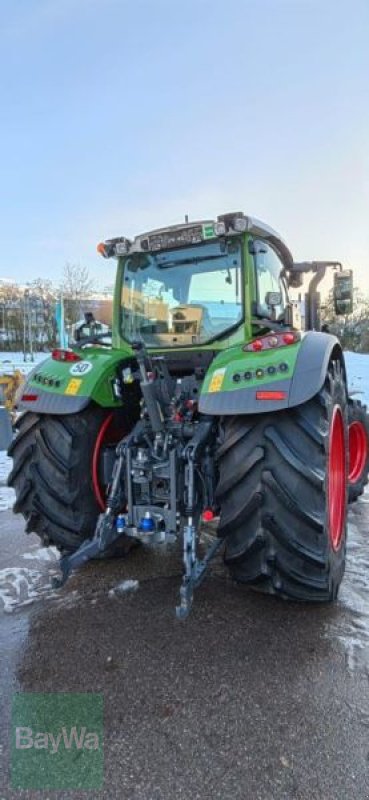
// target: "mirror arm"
[[314, 266]]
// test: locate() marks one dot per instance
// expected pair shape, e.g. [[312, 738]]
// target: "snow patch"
[[7, 495], [123, 588], [43, 554], [353, 629], [357, 365], [19, 587], [11, 361], [7, 498], [5, 466]]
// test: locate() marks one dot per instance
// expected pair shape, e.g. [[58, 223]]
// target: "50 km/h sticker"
[[81, 368]]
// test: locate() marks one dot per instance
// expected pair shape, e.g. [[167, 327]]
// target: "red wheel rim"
[[101, 439], [358, 449], [337, 479]]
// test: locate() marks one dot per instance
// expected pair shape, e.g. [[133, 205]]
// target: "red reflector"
[[289, 338], [271, 395], [257, 344], [28, 398], [207, 515], [64, 355]]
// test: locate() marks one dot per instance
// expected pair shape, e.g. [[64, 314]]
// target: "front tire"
[[283, 495]]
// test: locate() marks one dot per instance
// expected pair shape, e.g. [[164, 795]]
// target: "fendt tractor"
[[209, 404]]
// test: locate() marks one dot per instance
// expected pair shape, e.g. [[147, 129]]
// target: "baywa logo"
[[26, 738], [57, 741]]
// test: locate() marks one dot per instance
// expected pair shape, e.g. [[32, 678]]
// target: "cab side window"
[[268, 267]]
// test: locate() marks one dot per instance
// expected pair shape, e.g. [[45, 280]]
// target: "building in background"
[[27, 314]]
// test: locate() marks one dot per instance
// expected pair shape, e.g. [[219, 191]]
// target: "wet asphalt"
[[251, 697]]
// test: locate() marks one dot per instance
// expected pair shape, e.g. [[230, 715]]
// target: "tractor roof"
[[192, 233]]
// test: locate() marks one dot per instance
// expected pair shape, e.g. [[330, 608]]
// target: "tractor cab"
[[199, 284]]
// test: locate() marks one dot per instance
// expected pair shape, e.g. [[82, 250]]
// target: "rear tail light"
[[29, 398], [271, 395], [289, 338], [271, 341], [65, 355]]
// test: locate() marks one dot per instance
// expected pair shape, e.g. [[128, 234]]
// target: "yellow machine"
[[9, 384]]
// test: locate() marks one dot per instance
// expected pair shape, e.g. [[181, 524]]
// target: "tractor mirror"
[[273, 299], [343, 292]]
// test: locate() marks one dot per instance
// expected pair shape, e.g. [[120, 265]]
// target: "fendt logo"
[[81, 739]]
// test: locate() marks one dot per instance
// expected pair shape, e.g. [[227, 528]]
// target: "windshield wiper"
[[96, 337], [195, 260], [270, 324]]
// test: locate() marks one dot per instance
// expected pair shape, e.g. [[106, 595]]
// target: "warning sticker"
[[73, 386], [216, 382]]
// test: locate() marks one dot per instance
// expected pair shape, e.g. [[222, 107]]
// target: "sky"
[[118, 116]]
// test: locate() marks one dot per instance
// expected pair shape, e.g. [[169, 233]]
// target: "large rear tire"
[[358, 448], [56, 474], [283, 495]]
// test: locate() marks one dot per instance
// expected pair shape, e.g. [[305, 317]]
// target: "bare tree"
[[43, 294], [76, 288], [44, 288]]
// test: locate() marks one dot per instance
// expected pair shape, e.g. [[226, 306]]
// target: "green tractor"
[[210, 403]]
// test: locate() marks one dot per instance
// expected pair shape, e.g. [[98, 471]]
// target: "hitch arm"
[[194, 568]]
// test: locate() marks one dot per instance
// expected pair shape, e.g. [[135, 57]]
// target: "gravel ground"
[[249, 698]]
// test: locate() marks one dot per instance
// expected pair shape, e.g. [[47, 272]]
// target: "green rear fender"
[[57, 387], [240, 382]]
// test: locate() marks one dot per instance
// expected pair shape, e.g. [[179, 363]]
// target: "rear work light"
[[271, 395], [114, 247], [102, 250], [220, 228], [271, 341], [64, 355]]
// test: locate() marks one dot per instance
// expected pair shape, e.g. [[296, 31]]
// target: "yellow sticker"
[[73, 386], [216, 382]]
